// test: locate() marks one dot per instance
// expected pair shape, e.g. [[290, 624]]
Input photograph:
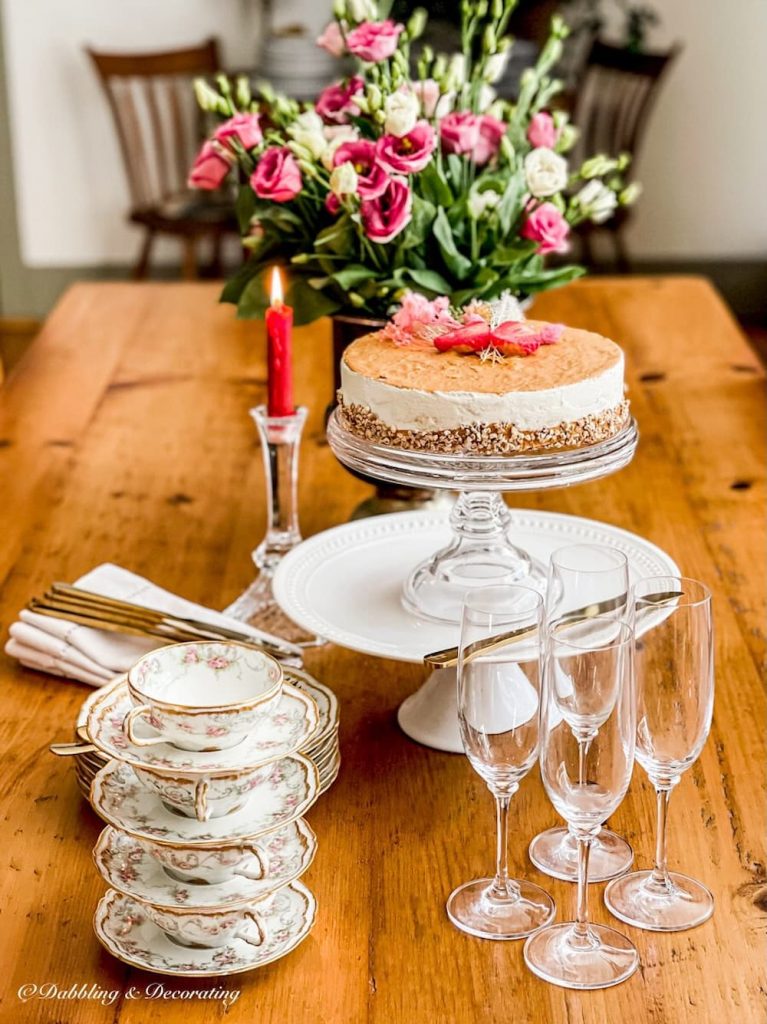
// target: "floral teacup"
[[212, 928], [211, 865], [201, 696], [206, 796]]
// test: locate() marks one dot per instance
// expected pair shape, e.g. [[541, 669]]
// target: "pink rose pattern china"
[[201, 696], [125, 930], [286, 794], [221, 877], [289, 725], [213, 927], [204, 797]]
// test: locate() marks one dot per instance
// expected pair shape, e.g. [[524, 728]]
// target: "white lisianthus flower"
[[495, 66], [455, 77], [307, 131], [597, 201], [479, 202], [434, 103], [545, 172], [630, 194], [336, 135], [362, 10], [344, 179], [401, 109]]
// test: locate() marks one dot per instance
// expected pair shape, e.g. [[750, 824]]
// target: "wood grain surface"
[[124, 436]]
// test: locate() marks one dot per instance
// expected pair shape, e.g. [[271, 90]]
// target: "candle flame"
[[277, 294]]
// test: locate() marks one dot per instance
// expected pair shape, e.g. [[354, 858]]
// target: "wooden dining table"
[[125, 437]]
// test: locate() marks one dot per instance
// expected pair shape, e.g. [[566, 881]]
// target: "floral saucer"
[[126, 932], [324, 698], [293, 720], [129, 867], [286, 793]]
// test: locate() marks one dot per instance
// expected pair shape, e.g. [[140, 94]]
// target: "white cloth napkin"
[[95, 656]]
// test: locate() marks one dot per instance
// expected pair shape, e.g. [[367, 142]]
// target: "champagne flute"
[[582, 578], [675, 702], [588, 727], [499, 711]]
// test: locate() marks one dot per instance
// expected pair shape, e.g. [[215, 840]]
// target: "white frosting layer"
[[410, 409]]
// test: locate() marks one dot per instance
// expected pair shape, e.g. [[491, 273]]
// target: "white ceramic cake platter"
[[346, 584]]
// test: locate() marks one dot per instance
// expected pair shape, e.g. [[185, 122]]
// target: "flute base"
[[473, 908], [555, 853], [606, 960], [639, 902], [257, 607]]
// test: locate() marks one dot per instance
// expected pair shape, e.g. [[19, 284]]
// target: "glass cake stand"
[[482, 550]]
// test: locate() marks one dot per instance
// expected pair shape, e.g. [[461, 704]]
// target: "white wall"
[[704, 165], [704, 162], [70, 185]]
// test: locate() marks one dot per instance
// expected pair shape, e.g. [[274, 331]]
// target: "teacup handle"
[[139, 741], [201, 808], [261, 866], [255, 940]]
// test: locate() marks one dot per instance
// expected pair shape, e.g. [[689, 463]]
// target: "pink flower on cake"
[[491, 131], [546, 226], [336, 105], [541, 130], [372, 178], [210, 167], [246, 128], [277, 175], [459, 132], [384, 217], [409, 154], [373, 41], [332, 40], [415, 316]]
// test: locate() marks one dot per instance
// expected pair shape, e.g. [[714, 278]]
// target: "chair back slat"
[[615, 96], [153, 107]]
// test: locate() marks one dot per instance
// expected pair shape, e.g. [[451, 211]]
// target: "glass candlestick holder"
[[280, 438]]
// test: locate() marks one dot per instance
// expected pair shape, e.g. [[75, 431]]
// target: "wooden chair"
[[160, 129], [614, 98]]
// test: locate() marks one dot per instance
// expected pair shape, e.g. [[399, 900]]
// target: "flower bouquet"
[[406, 176]]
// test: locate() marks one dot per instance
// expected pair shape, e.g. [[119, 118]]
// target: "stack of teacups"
[[204, 795]]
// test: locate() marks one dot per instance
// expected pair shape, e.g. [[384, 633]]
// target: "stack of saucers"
[[323, 748], [204, 793]]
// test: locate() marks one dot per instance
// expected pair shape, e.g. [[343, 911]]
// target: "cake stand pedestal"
[[366, 585]]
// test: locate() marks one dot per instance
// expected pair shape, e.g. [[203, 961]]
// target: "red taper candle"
[[279, 352]]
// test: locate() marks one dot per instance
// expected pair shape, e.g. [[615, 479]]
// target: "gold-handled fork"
[[114, 615], [448, 658]]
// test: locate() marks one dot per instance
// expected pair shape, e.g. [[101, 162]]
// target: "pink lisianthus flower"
[[541, 131], [332, 40], [332, 204], [373, 41], [459, 132], [211, 166], [277, 175], [409, 154], [491, 131], [336, 105], [546, 226], [416, 316], [246, 128], [372, 178], [386, 216], [434, 103]]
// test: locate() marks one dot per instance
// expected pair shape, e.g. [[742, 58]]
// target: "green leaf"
[[338, 237], [456, 263], [428, 280], [546, 279], [245, 207], [421, 222], [308, 303], [351, 276], [433, 185], [506, 255], [254, 298], [236, 284], [511, 205]]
